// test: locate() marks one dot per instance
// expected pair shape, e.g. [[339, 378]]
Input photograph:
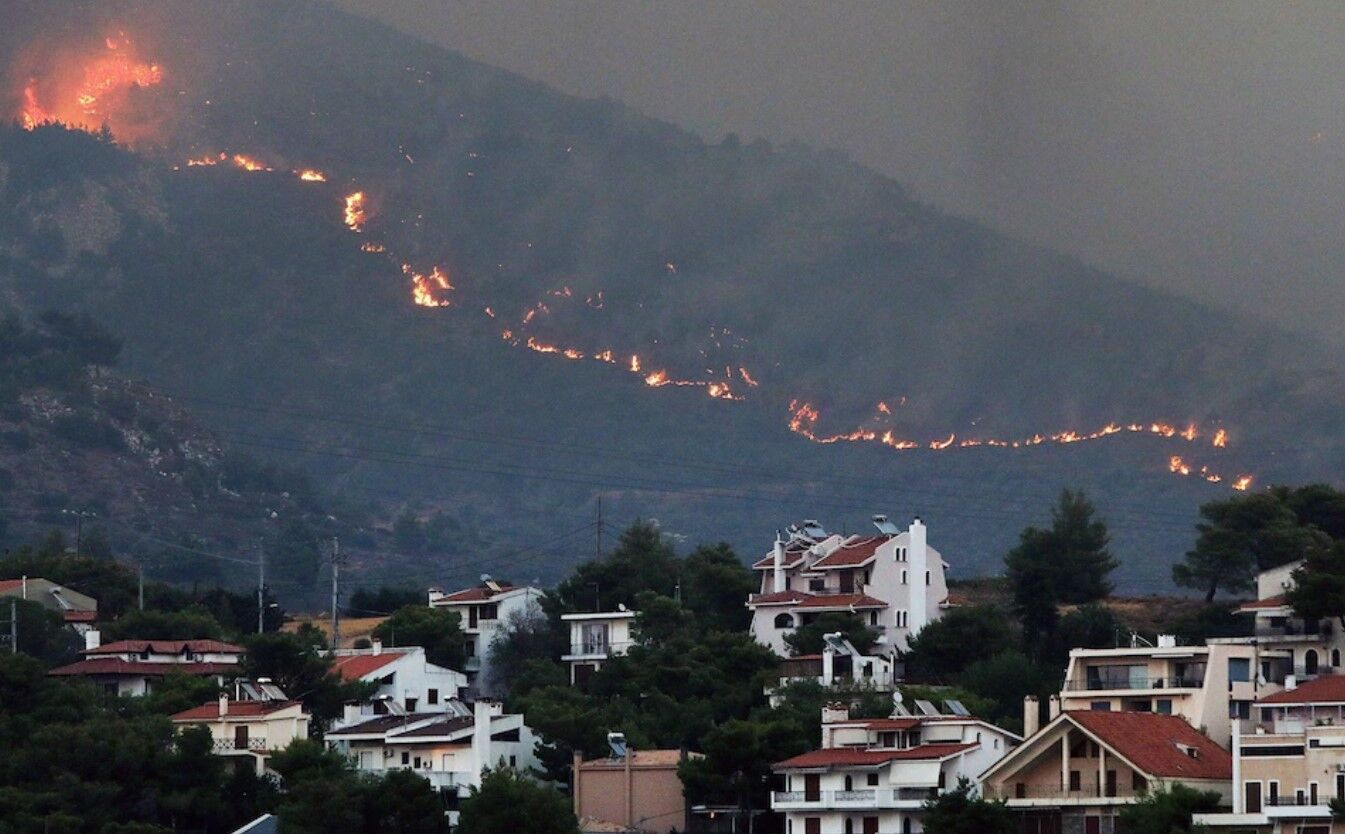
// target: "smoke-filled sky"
[[1195, 145]]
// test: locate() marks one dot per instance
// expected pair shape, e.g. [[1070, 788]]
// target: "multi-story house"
[[1288, 645], [79, 611], [875, 775], [1291, 765], [130, 667], [1074, 774], [450, 749], [483, 609], [1211, 686], [258, 722], [839, 666], [404, 678], [894, 581], [594, 638]]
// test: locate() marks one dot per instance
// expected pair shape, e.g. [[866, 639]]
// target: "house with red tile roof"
[[250, 727], [404, 676], [132, 667], [483, 609], [1080, 769], [79, 611], [1289, 768], [876, 774], [894, 581]]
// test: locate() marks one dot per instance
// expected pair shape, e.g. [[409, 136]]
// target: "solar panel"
[[926, 708], [957, 708], [899, 710]]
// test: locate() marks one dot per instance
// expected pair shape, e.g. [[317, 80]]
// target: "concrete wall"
[[655, 795]]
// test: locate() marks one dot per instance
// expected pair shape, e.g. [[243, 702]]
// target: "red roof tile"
[[117, 666], [478, 594], [862, 757], [10, 584], [852, 553], [842, 601], [891, 723], [1277, 601], [1149, 742], [1328, 689], [793, 558], [79, 616], [166, 647], [355, 666], [236, 709], [779, 598]]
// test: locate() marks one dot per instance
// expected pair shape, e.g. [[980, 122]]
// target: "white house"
[[594, 638], [450, 749], [894, 581], [873, 775], [483, 610], [130, 667], [250, 728], [840, 665], [403, 675]]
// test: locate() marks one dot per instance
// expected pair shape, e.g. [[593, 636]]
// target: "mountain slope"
[[248, 294]]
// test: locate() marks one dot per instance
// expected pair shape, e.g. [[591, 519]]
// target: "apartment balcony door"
[[1253, 798], [870, 825], [1092, 825], [812, 825], [241, 737], [812, 787]]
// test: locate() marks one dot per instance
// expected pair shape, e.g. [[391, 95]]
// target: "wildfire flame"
[[96, 96], [425, 287], [355, 215], [311, 175]]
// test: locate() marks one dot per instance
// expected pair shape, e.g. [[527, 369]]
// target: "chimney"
[[223, 704], [482, 711], [778, 563], [25, 586], [917, 556], [1053, 708], [828, 662], [1290, 682], [834, 712], [377, 645], [93, 638], [350, 714], [1031, 715]]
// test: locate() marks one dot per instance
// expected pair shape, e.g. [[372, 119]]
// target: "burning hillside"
[[91, 88]]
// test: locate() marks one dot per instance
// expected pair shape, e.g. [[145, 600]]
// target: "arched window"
[[1335, 657], [849, 826], [906, 825], [849, 786], [1310, 661], [784, 621]]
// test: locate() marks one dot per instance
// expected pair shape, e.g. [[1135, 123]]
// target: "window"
[[1075, 781], [1239, 670], [1163, 706], [901, 554], [431, 696], [1100, 706], [241, 737], [490, 612], [1240, 709], [849, 785], [873, 618], [513, 761], [1335, 657], [926, 577], [903, 577], [406, 757], [469, 648], [906, 825], [901, 619], [416, 763], [1310, 662], [784, 621], [1138, 783], [1312, 793], [849, 826], [411, 704], [1274, 793], [873, 780], [817, 585]]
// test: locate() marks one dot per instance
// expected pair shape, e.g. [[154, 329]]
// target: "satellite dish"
[[621, 606], [485, 577], [897, 697]]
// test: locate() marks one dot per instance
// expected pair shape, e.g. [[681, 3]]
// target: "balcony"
[[439, 779], [595, 650], [1084, 793], [1132, 684], [225, 747], [853, 800]]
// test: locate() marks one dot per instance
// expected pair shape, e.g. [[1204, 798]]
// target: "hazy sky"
[[1193, 145]]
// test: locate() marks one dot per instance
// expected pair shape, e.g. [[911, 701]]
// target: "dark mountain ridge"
[[247, 295]]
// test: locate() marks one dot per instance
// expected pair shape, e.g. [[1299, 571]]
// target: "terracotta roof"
[[852, 553], [10, 584], [890, 723], [862, 757], [478, 594], [166, 647], [954, 600], [1149, 742], [380, 724], [1328, 689], [1277, 601], [842, 601], [778, 598], [793, 558], [237, 709], [353, 667], [440, 728], [79, 616], [117, 666], [639, 758]]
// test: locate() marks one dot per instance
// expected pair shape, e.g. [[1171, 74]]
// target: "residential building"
[[875, 775], [448, 748], [1212, 687], [1291, 765], [1288, 645], [894, 581], [404, 678], [252, 726], [483, 609], [1074, 774], [594, 638], [630, 791], [839, 666], [79, 611], [131, 667]]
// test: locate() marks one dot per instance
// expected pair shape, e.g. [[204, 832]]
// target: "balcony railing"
[[1085, 790], [1132, 684], [858, 798], [233, 745], [591, 648]]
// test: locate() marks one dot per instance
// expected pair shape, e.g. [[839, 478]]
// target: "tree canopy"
[[510, 801], [437, 630]]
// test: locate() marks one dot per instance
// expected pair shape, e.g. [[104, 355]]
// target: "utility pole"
[[140, 571], [598, 554], [261, 590], [336, 593]]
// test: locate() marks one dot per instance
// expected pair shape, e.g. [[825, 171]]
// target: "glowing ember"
[[247, 163], [1220, 439], [375, 248], [356, 215], [1242, 483], [634, 364], [742, 372]]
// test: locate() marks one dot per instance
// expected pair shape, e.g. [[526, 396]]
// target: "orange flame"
[[312, 175], [370, 246], [247, 163], [742, 372], [634, 364], [1220, 439], [356, 215], [93, 100], [1242, 483], [423, 287]]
